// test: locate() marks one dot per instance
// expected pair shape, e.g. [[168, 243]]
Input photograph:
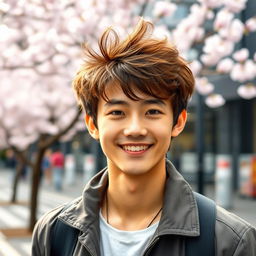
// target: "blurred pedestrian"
[[46, 167], [57, 165], [10, 159], [135, 93]]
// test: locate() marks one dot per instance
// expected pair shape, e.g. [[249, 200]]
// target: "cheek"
[[165, 137], [166, 134], [163, 130], [106, 134]]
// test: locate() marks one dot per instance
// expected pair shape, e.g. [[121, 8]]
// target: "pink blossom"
[[68, 136], [241, 55], [62, 38], [60, 59], [17, 11], [12, 50], [223, 19], [247, 91], [178, 36], [196, 67], [162, 31], [210, 14], [225, 65], [210, 59], [80, 125], [215, 101], [5, 32], [45, 68], [243, 71], [235, 31], [65, 119], [196, 34], [47, 127], [8, 122], [163, 8], [190, 28], [182, 45], [36, 10], [74, 24], [4, 7], [235, 5], [198, 14], [22, 142], [250, 24], [122, 18], [203, 86], [192, 34], [215, 45]]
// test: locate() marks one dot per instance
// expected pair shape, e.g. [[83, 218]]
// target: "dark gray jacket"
[[233, 236]]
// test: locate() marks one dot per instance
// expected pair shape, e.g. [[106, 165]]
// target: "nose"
[[135, 127]]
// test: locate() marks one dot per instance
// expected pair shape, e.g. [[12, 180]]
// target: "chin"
[[134, 171]]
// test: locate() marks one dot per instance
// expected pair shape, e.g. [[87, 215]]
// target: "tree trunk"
[[43, 144], [36, 170], [16, 179]]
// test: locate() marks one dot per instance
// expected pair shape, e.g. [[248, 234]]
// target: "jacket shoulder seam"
[[241, 238], [240, 234]]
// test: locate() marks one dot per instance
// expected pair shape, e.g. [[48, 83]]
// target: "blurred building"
[[230, 129]]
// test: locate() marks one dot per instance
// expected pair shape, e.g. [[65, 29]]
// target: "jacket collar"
[[179, 215]]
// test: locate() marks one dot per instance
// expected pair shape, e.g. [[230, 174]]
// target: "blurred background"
[[46, 154]]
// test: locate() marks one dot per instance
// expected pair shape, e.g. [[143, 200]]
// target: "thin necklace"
[[106, 198], [154, 217]]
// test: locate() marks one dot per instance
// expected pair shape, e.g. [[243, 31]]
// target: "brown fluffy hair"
[[139, 62]]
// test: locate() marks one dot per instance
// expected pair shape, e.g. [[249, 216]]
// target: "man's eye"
[[116, 113], [153, 112]]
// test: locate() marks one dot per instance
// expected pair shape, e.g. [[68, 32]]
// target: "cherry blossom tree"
[[220, 44], [40, 52], [214, 49]]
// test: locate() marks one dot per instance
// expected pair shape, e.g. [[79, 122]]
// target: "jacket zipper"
[[152, 244]]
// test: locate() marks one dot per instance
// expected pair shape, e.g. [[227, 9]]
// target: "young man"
[[135, 93]]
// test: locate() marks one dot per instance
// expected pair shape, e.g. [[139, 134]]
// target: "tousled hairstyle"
[[137, 63]]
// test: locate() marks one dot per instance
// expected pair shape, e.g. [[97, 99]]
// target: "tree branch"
[[50, 140]]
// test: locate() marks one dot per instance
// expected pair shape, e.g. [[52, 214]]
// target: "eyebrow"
[[154, 101], [113, 102]]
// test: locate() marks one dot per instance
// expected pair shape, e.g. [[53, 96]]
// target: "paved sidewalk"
[[17, 215]]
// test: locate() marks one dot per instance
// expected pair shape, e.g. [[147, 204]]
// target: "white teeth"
[[135, 148]]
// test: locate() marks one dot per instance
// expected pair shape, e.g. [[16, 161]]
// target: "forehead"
[[114, 90]]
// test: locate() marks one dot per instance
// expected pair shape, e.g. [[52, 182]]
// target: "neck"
[[134, 201]]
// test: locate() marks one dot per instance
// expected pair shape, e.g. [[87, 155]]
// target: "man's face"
[[134, 135]]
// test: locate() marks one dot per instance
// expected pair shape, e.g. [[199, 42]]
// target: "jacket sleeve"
[[41, 233], [36, 248], [247, 244], [233, 235]]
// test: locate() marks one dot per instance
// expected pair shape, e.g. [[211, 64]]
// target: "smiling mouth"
[[135, 148]]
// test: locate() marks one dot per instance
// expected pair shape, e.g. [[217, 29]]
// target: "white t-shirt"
[[115, 242]]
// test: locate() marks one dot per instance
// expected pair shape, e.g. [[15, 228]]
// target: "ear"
[[179, 126], [91, 127]]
